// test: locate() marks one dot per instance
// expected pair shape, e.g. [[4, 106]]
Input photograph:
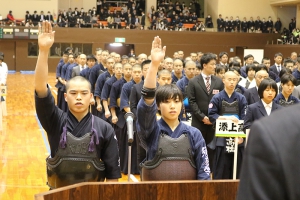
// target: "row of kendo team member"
[[109, 89], [84, 147]]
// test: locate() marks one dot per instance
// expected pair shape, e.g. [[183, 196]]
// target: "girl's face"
[[287, 88], [170, 109], [269, 95]]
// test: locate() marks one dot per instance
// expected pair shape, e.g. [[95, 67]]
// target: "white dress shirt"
[[268, 107]]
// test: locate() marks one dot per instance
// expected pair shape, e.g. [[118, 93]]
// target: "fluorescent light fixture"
[[116, 44]]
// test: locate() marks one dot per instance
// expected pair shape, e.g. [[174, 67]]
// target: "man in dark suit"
[[277, 67], [252, 94], [200, 90], [143, 20], [49, 17], [270, 167], [220, 22]]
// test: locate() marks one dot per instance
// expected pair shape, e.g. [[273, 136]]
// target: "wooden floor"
[[23, 142]]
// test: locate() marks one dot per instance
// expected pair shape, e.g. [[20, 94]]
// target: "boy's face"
[[267, 63], [290, 66], [91, 63], [78, 97], [164, 79], [278, 59]]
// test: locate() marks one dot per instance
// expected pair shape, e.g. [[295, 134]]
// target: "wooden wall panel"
[[187, 41]]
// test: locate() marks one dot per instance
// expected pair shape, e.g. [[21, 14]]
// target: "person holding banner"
[[227, 105], [175, 151], [267, 91]]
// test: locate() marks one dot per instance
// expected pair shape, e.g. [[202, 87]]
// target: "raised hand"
[[157, 51], [46, 36]]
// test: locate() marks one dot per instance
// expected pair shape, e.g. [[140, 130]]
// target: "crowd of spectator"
[[167, 16]]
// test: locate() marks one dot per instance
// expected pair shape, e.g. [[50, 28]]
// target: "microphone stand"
[[129, 121]]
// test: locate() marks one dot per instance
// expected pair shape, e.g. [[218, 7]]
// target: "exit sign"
[[119, 39]]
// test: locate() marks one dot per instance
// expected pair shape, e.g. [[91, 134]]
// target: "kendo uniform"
[[93, 75], [105, 95], [280, 100], [60, 92], [80, 151], [256, 111], [98, 88], [121, 130], [175, 79], [296, 74], [240, 89], [134, 98], [171, 155], [85, 73], [69, 71], [222, 105], [182, 84]]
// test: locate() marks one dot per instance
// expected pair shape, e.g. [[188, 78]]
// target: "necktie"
[[247, 84], [278, 68], [207, 84]]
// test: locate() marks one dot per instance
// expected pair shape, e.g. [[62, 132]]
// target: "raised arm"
[[157, 55], [45, 41]]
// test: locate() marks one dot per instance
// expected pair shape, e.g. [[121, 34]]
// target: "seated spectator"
[[10, 18], [29, 24], [117, 21]]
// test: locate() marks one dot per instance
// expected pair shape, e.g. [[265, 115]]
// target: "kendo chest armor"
[[286, 103], [74, 163], [230, 108], [172, 161]]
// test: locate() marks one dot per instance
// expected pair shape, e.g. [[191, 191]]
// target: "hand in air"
[[157, 51], [46, 36]]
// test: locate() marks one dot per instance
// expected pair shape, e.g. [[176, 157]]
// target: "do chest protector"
[[172, 161], [75, 162]]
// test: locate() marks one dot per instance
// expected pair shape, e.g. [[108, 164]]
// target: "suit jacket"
[[49, 18], [76, 71], [256, 111], [270, 168], [199, 98], [143, 20], [251, 95], [273, 68]]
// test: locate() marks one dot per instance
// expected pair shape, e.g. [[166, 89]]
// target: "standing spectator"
[[237, 24], [143, 20], [258, 24], [220, 23], [244, 25], [278, 26], [270, 25], [35, 18], [227, 25], [251, 25]]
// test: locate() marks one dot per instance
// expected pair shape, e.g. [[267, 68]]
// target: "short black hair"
[[265, 58], [284, 71], [288, 60], [278, 54], [166, 92], [261, 67], [206, 58], [222, 54], [219, 68], [91, 57], [234, 63], [267, 83], [232, 69], [250, 67], [145, 62], [248, 56], [285, 78]]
